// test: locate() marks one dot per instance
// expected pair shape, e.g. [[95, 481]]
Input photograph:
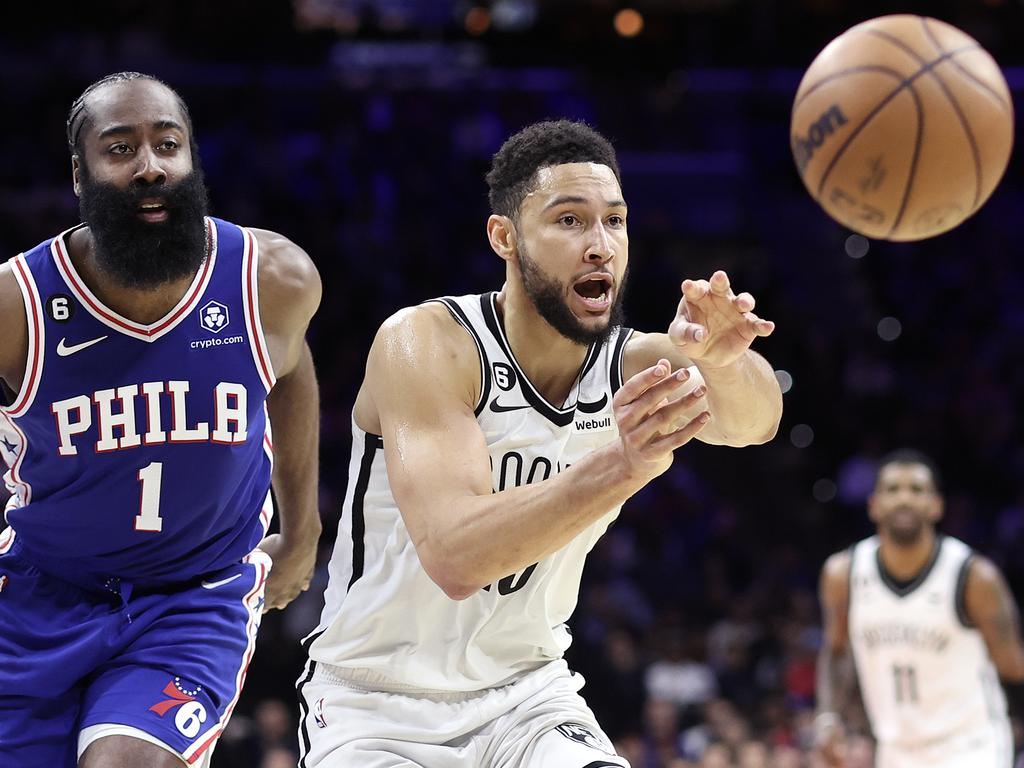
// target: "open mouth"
[[152, 210], [594, 291]]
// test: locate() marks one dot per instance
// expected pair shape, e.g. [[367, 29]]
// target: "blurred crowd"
[[698, 624]]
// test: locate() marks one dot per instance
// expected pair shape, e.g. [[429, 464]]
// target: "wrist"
[[305, 530], [705, 366], [825, 725], [614, 469]]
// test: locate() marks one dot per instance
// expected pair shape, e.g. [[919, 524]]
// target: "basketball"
[[902, 127]]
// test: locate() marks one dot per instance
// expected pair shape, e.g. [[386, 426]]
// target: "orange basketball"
[[902, 127]]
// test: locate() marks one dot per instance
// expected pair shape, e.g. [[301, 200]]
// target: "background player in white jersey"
[[139, 353], [930, 625], [495, 438]]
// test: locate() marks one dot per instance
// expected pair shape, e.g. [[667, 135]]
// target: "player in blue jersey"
[[147, 353]]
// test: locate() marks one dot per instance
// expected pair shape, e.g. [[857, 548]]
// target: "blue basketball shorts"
[[163, 665]]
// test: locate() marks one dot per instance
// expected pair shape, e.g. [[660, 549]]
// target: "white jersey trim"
[[96, 732], [251, 307], [253, 602], [485, 372], [20, 490], [36, 338], [143, 332], [561, 415]]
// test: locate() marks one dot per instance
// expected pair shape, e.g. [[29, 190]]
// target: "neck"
[[142, 305], [551, 361], [905, 561]]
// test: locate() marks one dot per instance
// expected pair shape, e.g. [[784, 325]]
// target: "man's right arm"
[[422, 378], [835, 673], [14, 349]]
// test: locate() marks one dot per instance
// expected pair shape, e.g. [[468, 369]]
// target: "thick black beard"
[[139, 254], [547, 295]]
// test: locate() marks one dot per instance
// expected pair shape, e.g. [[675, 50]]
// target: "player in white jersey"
[[932, 628], [495, 438]]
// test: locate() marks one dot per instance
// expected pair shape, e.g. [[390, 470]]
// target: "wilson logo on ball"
[[821, 129]]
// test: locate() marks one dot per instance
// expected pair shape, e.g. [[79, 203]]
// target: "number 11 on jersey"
[[148, 518], [905, 679]]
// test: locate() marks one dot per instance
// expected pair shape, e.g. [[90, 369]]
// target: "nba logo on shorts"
[[214, 317], [318, 714]]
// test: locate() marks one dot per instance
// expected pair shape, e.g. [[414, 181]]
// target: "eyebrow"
[[564, 199], [159, 125]]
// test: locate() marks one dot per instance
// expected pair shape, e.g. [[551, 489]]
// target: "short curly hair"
[[513, 173], [907, 456]]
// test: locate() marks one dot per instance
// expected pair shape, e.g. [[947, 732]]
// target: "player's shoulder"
[[425, 328], [982, 571], [287, 275], [426, 340], [424, 349], [835, 573], [281, 259]]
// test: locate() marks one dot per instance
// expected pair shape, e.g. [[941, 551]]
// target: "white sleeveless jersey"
[[925, 675], [385, 622]]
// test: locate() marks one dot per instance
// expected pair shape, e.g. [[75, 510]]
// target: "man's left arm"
[[289, 289], [713, 330], [991, 608]]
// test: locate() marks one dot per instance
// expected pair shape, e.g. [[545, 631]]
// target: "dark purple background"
[[368, 146]]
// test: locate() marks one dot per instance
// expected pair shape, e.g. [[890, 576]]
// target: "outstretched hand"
[[657, 411], [714, 326]]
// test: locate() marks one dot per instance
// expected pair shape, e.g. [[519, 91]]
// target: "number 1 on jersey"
[[148, 518], [905, 678]]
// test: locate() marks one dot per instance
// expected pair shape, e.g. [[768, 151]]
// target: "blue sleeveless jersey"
[[140, 452]]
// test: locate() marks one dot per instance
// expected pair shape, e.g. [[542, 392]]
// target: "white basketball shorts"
[[539, 721], [990, 748]]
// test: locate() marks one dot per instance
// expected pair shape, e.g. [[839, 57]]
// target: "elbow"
[[457, 592], [446, 573], [453, 587], [766, 435], [768, 427], [1012, 673], [755, 435]]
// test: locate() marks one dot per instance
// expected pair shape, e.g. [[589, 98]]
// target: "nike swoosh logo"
[[64, 349], [221, 583], [593, 407], [497, 408]]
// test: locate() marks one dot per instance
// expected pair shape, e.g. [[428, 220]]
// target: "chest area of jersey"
[[527, 443], [102, 390], [881, 621], [153, 413]]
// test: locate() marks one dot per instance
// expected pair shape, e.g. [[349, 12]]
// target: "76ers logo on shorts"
[[190, 714], [214, 316]]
